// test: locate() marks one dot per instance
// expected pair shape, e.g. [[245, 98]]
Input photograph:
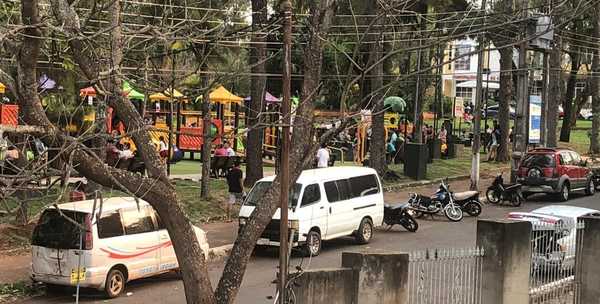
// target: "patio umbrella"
[[46, 83], [394, 103], [269, 98], [130, 92]]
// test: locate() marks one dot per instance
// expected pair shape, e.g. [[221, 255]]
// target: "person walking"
[[235, 187], [323, 157], [494, 142]]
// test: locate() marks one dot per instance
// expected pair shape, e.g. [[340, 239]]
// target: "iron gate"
[[554, 247], [445, 276]]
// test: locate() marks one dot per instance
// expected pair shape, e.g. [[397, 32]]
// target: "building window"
[[465, 93], [462, 62]]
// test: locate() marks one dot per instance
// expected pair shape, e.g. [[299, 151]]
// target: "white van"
[[328, 203], [125, 243]]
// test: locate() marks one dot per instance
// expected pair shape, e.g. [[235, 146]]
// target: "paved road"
[[436, 233]]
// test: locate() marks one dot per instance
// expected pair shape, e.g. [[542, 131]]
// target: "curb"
[[219, 254]]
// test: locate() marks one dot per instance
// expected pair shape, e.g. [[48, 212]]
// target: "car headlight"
[[243, 221]]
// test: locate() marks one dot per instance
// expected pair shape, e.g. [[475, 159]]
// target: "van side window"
[[332, 192], [565, 159], [337, 190], [364, 185], [110, 225], [312, 194], [137, 221]]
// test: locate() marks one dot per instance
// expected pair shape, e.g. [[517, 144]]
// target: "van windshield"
[[55, 231], [260, 188]]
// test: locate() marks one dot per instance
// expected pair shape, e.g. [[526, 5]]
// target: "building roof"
[[472, 84], [330, 173]]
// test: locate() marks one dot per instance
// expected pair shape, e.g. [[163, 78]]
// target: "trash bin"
[[434, 147], [415, 164]]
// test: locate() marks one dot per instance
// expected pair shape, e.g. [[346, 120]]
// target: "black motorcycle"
[[399, 215], [452, 204], [499, 192]]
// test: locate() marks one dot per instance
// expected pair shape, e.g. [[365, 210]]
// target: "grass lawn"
[[198, 210]]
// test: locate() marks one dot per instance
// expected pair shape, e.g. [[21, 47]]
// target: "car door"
[[339, 209], [579, 168], [141, 249], [568, 168], [167, 257], [313, 211]]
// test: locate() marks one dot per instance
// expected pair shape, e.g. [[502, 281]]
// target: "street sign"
[[535, 119]]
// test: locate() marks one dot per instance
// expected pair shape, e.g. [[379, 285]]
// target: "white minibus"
[[109, 246], [328, 203]]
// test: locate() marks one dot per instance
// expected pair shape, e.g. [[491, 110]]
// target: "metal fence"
[[445, 276], [554, 247]]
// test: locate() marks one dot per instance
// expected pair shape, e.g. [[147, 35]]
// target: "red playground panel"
[[9, 115]]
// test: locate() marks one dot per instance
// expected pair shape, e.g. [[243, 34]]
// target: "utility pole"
[[545, 97], [284, 171], [520, 132], [477, 112], [417, 136]]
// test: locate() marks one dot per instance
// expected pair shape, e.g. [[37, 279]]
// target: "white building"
[[460, 75]]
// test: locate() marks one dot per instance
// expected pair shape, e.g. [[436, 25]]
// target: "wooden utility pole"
[[520, 132], [284, 171], [475, 159]]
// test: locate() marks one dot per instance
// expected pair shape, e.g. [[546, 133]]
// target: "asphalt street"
[[257, 286]]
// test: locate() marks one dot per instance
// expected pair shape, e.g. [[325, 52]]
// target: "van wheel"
[[115, 283], [313, 243], [365, 231]]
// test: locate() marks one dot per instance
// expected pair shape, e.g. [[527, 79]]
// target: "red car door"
[[581, 170]]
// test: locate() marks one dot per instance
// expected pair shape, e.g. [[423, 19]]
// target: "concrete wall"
[[506, 262], [381, 278], [326, 286]]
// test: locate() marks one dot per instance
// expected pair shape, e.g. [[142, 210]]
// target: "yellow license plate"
[[77, 275]]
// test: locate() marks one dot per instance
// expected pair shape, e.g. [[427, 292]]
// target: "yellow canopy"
[[222, 95], [2, 88], [166, 96]]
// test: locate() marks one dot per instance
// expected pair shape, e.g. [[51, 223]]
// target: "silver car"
[[554, 235]]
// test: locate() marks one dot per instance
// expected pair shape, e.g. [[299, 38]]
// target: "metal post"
[[520, 133], [417, 133], [170, 146], [286, 7], [477, 113], [545, 96]]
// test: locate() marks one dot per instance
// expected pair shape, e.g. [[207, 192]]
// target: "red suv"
[[559, 171]]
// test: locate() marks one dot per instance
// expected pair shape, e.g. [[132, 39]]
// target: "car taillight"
[[89, 237]]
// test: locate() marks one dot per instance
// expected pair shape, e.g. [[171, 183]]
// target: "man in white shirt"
[[323, 157]]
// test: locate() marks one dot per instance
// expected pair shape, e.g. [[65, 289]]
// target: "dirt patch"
[[15, 240]]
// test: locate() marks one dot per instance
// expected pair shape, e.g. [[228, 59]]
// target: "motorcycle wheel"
[[473, 208], [492, 196], [516, 200], [453, 213], [410, 223]]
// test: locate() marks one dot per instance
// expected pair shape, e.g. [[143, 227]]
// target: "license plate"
[[77, 275]]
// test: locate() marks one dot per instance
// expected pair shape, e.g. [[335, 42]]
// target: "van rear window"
[[539, 160], [364, 185], [55, 231], [344, 189]]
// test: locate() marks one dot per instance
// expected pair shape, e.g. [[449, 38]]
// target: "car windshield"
[[260, 188], [55, 231], [538, 160]]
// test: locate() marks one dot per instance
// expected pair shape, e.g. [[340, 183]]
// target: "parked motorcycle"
[[399, 215], [499, 192], [447, 201], [442, 200]]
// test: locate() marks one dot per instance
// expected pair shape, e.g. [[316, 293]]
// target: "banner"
[[535, 119]]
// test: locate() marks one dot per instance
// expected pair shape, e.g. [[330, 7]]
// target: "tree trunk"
[[258, 53], [207, 141], [377, 159], [303, 151], [595, 86], [565, 132], [506, 96], [555, 93]]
